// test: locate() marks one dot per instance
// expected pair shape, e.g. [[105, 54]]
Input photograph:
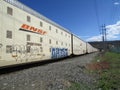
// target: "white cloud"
[[95, 38], [113, 32], [116, 3]]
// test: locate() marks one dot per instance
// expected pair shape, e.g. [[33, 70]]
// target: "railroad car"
[[79, 46], [90, 48], [27, 36]]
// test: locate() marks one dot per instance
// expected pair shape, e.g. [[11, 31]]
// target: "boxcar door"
[[1, 29]]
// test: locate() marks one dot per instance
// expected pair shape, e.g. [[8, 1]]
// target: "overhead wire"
[[97, 15], [118, 8], [111, 12], [114, 15]]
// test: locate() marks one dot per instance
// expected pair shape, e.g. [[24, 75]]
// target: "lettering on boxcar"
[[29, 28]]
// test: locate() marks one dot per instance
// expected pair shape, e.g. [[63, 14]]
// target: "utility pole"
[[104, 37]]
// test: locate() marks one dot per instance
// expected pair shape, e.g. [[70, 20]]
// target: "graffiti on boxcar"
[[28, 51], [1, 45], [59, 52]]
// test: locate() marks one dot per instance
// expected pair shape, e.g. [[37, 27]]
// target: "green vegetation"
[[110, 78], [78, 86]]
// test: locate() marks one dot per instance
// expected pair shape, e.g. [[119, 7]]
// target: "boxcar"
[[27, 36]]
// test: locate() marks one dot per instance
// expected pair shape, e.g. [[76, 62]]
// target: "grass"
[[78, 86], [110, 78]]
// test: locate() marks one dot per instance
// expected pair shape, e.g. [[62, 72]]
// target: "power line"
[[96, 13], [114, 14]]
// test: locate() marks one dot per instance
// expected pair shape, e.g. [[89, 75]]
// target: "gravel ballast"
[[52, 76]]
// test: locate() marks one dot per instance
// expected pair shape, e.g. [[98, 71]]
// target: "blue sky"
[[82, 17]]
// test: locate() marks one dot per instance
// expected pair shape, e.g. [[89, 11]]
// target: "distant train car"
[[90, 48], [27, 36], [79, 46]]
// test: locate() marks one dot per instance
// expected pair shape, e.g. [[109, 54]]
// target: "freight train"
[[27, 36]]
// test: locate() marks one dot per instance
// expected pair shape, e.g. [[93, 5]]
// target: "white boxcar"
[[79, 46], [27, 36], [90, 48]]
